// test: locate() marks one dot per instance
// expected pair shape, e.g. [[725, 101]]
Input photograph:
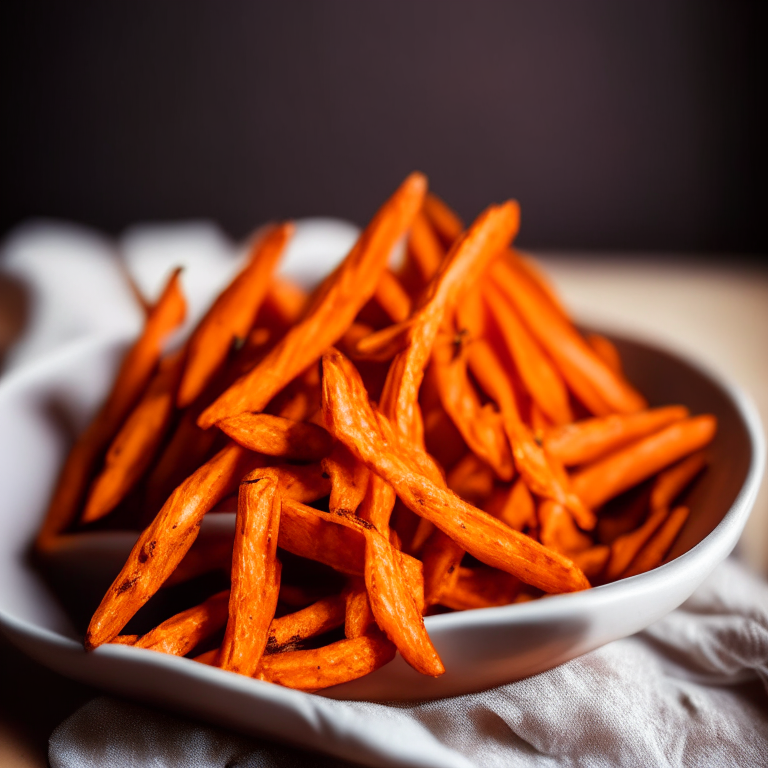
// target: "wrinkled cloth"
[[691, 690]]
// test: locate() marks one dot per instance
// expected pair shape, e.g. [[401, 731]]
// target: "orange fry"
[[424, 247], [278, 436], [164, 543], [541, 379], [358, 616], [480, 588], [591, 380], [590, 439], [606, 350], [653, 553], [444, 219], [610, 476], [392, 297], [351, 419], [333, 664], [132, 377], [316, 619], [135, 445], [673, 481], [336, 304], [183, 632], [255, 575], [232, 314], [349, 479]]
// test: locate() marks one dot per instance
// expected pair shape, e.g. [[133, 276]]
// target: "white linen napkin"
[[690, 690]]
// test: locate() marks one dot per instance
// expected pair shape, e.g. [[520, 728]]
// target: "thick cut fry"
[[444, 219], [480, 588], [392, 297], [136, 443], [654, 552], [334, 664], [183, 632], [441, 556], [164, 543], [316, 619], [540, 377], [351, 419], [232, 314], [278, 436], [132, 378], [591, 380], [587, 440], [632, 464], [255, 574], [337, 303]]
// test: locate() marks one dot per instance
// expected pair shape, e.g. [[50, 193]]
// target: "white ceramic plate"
[[41, 407]]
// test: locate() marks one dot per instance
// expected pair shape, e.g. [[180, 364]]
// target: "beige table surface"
[[714, 311]]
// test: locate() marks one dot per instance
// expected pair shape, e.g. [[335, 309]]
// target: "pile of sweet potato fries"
[[437, 435]]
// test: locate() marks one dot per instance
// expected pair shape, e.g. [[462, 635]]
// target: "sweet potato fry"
[[587, 440], [606, 350], [232, 314], [336, 304], [255, 574], [136, 443], [333, 664], [349, 479], [625, 548], [610, 476], [282, 305], [558, 531], [480, 587], [541, 379], [358, 616], [653, 553], [278, 436], [351, 419], [673, 481], [392, 297], [424, 247], [164, 543], [445, 221], [518, 510], [316, 619], [591, 380], [183, 632], [131, 380]]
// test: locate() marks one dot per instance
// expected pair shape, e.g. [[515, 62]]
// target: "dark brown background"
[[618, 125]]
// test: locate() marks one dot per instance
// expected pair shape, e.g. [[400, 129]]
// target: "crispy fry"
[[333, 664], [131, 380], [232, 314], [349, 479], [673, 481], [518, 510], [653, 553], [358, 616], [612, 475], [278, 436], [445, 221], [599, 388], [625, 548], [164, 543], [255, 574], [316, 619], [183, 632], [282, 305], [541, 378], [480, 588], [136, 443], [337, 303], [587, 440], [392, 297], [350, 418], [424, 247]]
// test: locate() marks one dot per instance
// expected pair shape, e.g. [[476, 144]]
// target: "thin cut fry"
[[316, 619], [132, 378], [614, 474], [350, 418], [587, 440], [338, 301], [654, 552], [232, 314], [334, 664], [445, 221], [183, 632]]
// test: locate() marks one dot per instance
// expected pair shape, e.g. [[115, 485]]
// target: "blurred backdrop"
[[618, 126]]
